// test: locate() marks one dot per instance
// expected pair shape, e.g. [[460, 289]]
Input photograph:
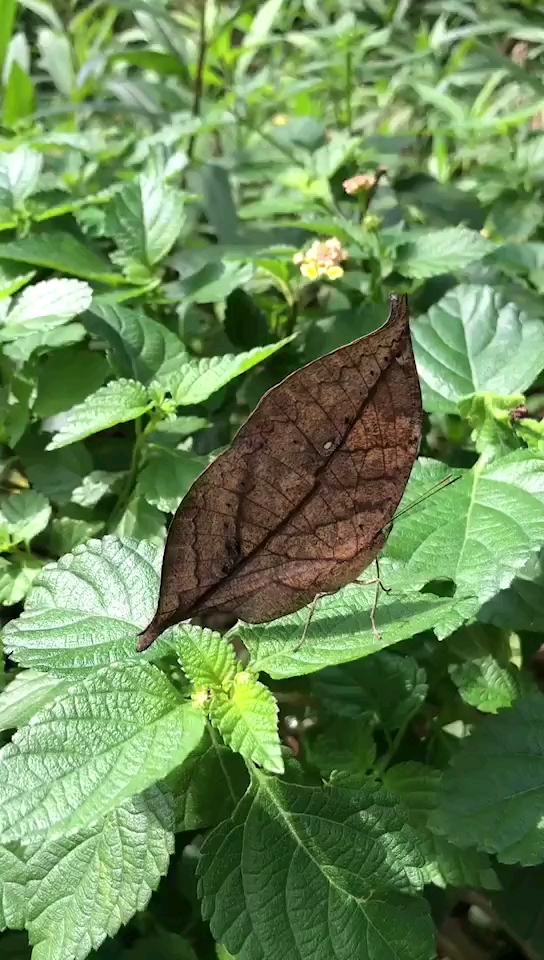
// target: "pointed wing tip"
[[147, 637]]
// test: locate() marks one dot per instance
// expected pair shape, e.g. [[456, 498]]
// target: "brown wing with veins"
[[298, 503]]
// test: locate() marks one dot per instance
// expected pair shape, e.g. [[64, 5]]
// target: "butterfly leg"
[[311, 612], [379, 586]]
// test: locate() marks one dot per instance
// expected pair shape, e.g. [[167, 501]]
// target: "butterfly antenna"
[[440, 485]]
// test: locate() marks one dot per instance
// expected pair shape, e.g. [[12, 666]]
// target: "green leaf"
[[416, 785], [215, 281], [488, 415], [344, 746], [19, 174], [138, 345], [67, 533], [142, 522], [440, 251], [62, 252], [6, 28], [492, 795], [56, 60], [341, 629], [195, 805], [117, 402], [22, 516], [16, 577], [44, 306], [85, 610], [196, 380], [18, 101], [97, 484], [349, 850], [206, 657], [85, 887], [247, 718], [479, 532], [460, 347], [519, 903], [145, 219], [66, 377], [13, 893], [168, 475], [258, 34], [485, 677], [389, 686], [27, 693], [111, 735]]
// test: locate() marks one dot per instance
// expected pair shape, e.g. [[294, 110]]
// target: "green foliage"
[[160, 166]]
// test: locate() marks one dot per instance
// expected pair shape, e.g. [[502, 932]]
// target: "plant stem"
[[126, 490], [199, 76], [349, 89]]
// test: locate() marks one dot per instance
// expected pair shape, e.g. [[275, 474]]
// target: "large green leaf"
[[86, 886], [417, 785], [388, 686], [27, 693], [479, 532], [196, 380], [62, 252], [86, 610], [313, 873], [43, 306], [341, 630], [117, 402], [111, 735], [145, 218], [138, 345], [167, 476], [195, 805], [432, 252], [473, 340], [493, 794]]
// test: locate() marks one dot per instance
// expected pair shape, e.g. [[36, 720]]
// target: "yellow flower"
[[322, 259], [280, 119]]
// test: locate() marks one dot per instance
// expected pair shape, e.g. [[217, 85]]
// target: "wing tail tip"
[[148, 636]]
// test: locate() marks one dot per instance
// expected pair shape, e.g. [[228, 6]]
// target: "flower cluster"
[[360, 183], [322, 259]]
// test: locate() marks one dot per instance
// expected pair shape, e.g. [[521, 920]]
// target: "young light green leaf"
[[28, 693], [84, 887], [145, 219], [352, 850], [416, 785], [167, 475], [489, 416], [19, 174], [117, 402], [23, 515], [97, 484], [138, 345], [211, 762], [86, 610], [207, 659], [258, 33], [247, 718], [196, 380], [492, 796], [434, 252], [43, 306], [19, 99], [459, 347], [389, 686], [113, 734], [479, 532]]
